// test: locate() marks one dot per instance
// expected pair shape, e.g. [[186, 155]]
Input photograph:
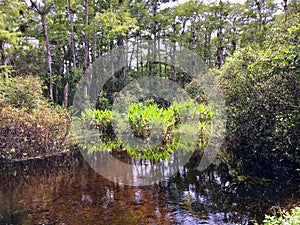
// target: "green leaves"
[[262, 93], [9, 19], [141, 117], [281, 217], [21, 93], [115, 23]]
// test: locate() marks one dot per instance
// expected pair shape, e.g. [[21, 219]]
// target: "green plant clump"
[[142, 117], [281, 217]]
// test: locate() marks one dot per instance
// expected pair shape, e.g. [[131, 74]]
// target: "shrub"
[[262, 93], [21, 92], [281, 217], [29, 125], [195, 91]]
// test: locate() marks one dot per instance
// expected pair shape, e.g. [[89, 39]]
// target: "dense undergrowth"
[[30, 126], [262, 89]]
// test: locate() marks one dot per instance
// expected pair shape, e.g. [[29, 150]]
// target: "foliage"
[[262, 93], [142, 117], [195, 91], [75, 28], [104, 122], [29, 125], [20, 92], [115, 23], [9, 32], [281, 217]]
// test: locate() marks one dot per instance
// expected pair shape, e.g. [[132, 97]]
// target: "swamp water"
[[66, 190]]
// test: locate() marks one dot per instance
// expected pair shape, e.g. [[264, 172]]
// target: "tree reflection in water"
[[65, 190]]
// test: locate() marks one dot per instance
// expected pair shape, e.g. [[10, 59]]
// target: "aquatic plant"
[[142, 117], [282, 217]]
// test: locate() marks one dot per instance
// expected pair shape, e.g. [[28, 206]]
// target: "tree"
[[43, 10], [259, 14], [221, 13], [11, 13]]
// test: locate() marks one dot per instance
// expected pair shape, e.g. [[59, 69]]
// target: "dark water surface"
[[66, 190]]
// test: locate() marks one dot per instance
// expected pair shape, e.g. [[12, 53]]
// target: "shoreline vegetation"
[[280, 216], [41, 157], [30, 126], [252, 48]]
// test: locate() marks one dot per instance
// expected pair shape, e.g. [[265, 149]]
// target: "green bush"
[[263, 120], [195, 91], [29, 125], [140, 117], [21, 92], [281, 217]]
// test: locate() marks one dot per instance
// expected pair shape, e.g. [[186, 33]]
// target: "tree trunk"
[[259, 10], [285, 9], [125, 69], [72, 34], [66, 87], [43, 11], [86, 44], [48, 54], [4, 60], [220, 48], [86, 39], [234, 36], [66, 94]]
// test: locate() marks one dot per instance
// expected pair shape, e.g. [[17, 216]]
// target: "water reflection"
[[66, 190], [120, 167]]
